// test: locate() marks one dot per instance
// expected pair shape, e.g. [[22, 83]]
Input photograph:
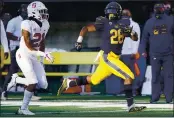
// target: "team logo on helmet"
[[34, 5]]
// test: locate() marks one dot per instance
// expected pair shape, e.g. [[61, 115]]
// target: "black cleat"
[[137, 109]]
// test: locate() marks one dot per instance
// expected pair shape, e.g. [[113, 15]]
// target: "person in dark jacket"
[[158, 32]]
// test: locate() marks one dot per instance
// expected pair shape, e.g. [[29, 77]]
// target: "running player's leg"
[[41, 75], [99, 75], [25, 64], [119, 69], [15, 78]]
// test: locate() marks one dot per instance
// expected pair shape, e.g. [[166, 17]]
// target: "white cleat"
[[35, 98], [24, 112], [3, 96], [12, 82]]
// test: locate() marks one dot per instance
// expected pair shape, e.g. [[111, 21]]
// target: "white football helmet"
[[38, 10]]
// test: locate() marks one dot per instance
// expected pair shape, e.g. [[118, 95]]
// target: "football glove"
[[49, 57], [127, 29], [78, 46]]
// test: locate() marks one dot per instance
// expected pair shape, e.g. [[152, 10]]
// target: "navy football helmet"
[[113, 11]]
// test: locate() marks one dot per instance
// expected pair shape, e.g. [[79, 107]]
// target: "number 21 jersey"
[[37, 33]]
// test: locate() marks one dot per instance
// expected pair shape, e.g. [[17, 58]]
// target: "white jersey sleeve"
[[25, 25], [4, 41], [11, 26]]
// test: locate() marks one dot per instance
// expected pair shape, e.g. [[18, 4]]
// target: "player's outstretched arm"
[[97, 26], [83, 32], [88, 28]]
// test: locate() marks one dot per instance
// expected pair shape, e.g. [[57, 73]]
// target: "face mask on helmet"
[[44, 14], [158, 10], [113, 11]]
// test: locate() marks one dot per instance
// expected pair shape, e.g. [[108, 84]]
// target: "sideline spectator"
[[158, 32]]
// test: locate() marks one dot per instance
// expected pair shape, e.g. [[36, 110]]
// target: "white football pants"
[[32, 69]]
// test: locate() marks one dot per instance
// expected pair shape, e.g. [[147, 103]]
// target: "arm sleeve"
[[4, 38], [144, 39], [99, 23], [136, 28], [10, 26]]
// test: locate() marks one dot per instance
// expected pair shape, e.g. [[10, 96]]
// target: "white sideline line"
[[84, 104]]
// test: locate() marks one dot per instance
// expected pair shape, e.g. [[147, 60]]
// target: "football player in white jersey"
[[34, 30]]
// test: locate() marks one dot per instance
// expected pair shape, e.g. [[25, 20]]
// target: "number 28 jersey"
[[112, 36], [37, 33]]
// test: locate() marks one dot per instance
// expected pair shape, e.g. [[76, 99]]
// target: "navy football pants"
[[165, 63]]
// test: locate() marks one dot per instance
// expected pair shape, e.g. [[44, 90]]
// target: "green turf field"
[[76, 105]]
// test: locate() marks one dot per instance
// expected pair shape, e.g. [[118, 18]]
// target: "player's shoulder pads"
[[101, 20]]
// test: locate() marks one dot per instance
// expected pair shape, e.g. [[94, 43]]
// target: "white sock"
[[26, 99], [21, 80]]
